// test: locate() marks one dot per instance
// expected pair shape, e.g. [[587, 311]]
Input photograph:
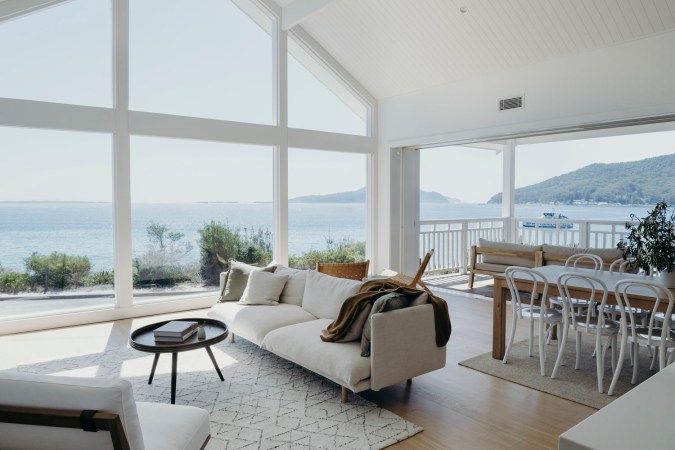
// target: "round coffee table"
[[143, 339]]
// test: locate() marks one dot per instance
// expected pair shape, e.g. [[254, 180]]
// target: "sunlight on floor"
[[83, 372]]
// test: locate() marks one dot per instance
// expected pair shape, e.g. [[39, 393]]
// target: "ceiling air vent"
[[511, 103]]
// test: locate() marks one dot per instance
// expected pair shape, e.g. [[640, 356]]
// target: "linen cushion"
[[387, 302], [295, 286], [173, 427], [324, 294], [112, 395], [300, 343], [491, 267], [607, 254], [263, 288], [237, 278], [508, 260], [254, 322]]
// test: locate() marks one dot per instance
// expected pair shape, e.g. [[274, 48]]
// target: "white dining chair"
[[655, 333], [580, 261], [588, 322], [541, 313]]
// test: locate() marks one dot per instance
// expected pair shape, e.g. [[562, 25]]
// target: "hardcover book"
[[176, 329]]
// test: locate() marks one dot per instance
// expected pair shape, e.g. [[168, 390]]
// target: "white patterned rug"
[[265, 401]]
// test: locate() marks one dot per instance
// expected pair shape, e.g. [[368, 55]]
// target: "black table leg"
[[174, 367], [154, 366], [215, 364]]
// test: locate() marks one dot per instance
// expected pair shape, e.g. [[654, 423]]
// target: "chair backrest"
[[585, 261], [623, 291], [568, 281], [353, 271], [407, 280], [53, 401], [513, 274]]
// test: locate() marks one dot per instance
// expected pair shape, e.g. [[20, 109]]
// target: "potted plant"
[[651, 243]]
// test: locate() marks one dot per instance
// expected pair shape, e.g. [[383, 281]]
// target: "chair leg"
[[600, 360], [513, 335], [531, 350], [613, 344], [577, 363], [558, 361], [542, 353], [471, 275], [619, 365], [636, 350]]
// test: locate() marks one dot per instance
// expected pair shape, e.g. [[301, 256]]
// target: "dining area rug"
[[265, 401], [580, 386]]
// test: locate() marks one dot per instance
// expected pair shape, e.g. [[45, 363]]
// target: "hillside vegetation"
[[646, 181], [359, 196]]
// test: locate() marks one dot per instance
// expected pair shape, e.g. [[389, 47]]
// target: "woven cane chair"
[[352, 271], [412, 282]]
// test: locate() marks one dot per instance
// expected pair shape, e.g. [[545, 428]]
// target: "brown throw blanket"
[[374, 289]]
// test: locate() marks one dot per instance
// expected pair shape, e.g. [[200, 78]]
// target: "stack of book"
[[175, 331]]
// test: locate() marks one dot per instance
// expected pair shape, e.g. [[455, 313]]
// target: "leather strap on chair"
[[87, 420]]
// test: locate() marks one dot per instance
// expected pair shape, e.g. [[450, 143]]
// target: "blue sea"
[[87, 228]]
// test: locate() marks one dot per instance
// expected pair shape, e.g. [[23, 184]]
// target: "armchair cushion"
[[173, 427]]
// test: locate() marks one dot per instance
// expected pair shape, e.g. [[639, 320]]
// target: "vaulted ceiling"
[[398, 46]]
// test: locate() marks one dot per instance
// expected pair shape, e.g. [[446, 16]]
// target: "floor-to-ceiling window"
[[144, 138]]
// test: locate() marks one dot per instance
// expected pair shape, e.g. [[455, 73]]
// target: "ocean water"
[[87, 228]]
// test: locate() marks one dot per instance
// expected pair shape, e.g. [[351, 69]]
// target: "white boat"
[[549, 216]]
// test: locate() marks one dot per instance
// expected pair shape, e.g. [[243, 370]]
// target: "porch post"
[[508, 189]]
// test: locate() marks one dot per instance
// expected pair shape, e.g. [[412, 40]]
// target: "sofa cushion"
[[189, 426], [324, 294], [388, 302], [607, 254], [295, 286], [237, 278], [491, 267], [301, 344], [507, 247], [263, 288], [253, 322], [112, 395]]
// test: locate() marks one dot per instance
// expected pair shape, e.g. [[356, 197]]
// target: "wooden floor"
[[458, 408]]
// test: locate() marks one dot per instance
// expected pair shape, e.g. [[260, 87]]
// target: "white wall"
[[635, 79]]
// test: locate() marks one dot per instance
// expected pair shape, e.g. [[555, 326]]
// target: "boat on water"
[[550, 216]]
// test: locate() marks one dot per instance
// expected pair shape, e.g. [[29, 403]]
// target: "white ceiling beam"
[[299, 10], [10, 9]]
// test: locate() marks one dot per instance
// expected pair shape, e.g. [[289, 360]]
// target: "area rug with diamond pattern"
[[265, 401]]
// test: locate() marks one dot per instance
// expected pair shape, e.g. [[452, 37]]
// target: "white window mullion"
[[281, 151], [122, 156]]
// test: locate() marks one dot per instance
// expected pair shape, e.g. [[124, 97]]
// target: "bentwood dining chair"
[[530, 310], [588, 322], [656, 333], [581, 261]]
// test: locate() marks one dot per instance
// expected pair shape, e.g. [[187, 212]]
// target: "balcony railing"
[[452, 239]]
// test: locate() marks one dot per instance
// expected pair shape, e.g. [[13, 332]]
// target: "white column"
[[410, 211], [121, 156], [509, 187], [280, 247]]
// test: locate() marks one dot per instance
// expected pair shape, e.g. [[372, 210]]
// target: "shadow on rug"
[[264, 402], [580, 386]]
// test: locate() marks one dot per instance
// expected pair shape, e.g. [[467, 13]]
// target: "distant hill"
[[638, 182], [359, 196]]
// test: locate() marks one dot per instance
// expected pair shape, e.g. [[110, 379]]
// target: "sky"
[[475, 175], [204, 59]]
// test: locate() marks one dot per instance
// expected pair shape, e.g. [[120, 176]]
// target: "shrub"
[[98, 278], [162, 264], [57, 270], [344, 251], [13, 282]]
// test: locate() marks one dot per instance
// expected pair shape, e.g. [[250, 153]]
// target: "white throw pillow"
[[295, 286], [324, 294], [263, 288]]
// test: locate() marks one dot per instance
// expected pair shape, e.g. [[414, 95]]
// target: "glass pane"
[[56, 230], [195, 205], [317, 100], [448, 180], [59, 54], [210, 58], [327, 207]]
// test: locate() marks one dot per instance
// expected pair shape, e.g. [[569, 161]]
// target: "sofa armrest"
[[403, 345]]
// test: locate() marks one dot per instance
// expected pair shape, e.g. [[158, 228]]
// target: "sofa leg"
[[471, 275], [344, 394], [231, 338]]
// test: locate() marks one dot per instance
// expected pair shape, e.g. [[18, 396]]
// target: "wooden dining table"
[[551, 274]]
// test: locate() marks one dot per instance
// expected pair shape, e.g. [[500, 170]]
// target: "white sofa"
[[58, 402], [403, 341]]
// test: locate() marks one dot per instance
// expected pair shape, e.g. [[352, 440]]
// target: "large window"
[[61, 54], [327, 207], [210, 58], [195, 205], [56, 234], [317, 100]]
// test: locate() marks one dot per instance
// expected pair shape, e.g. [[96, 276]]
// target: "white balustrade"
[[452, 239]]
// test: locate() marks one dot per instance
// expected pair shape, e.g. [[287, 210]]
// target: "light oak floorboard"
[[458, 408]]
